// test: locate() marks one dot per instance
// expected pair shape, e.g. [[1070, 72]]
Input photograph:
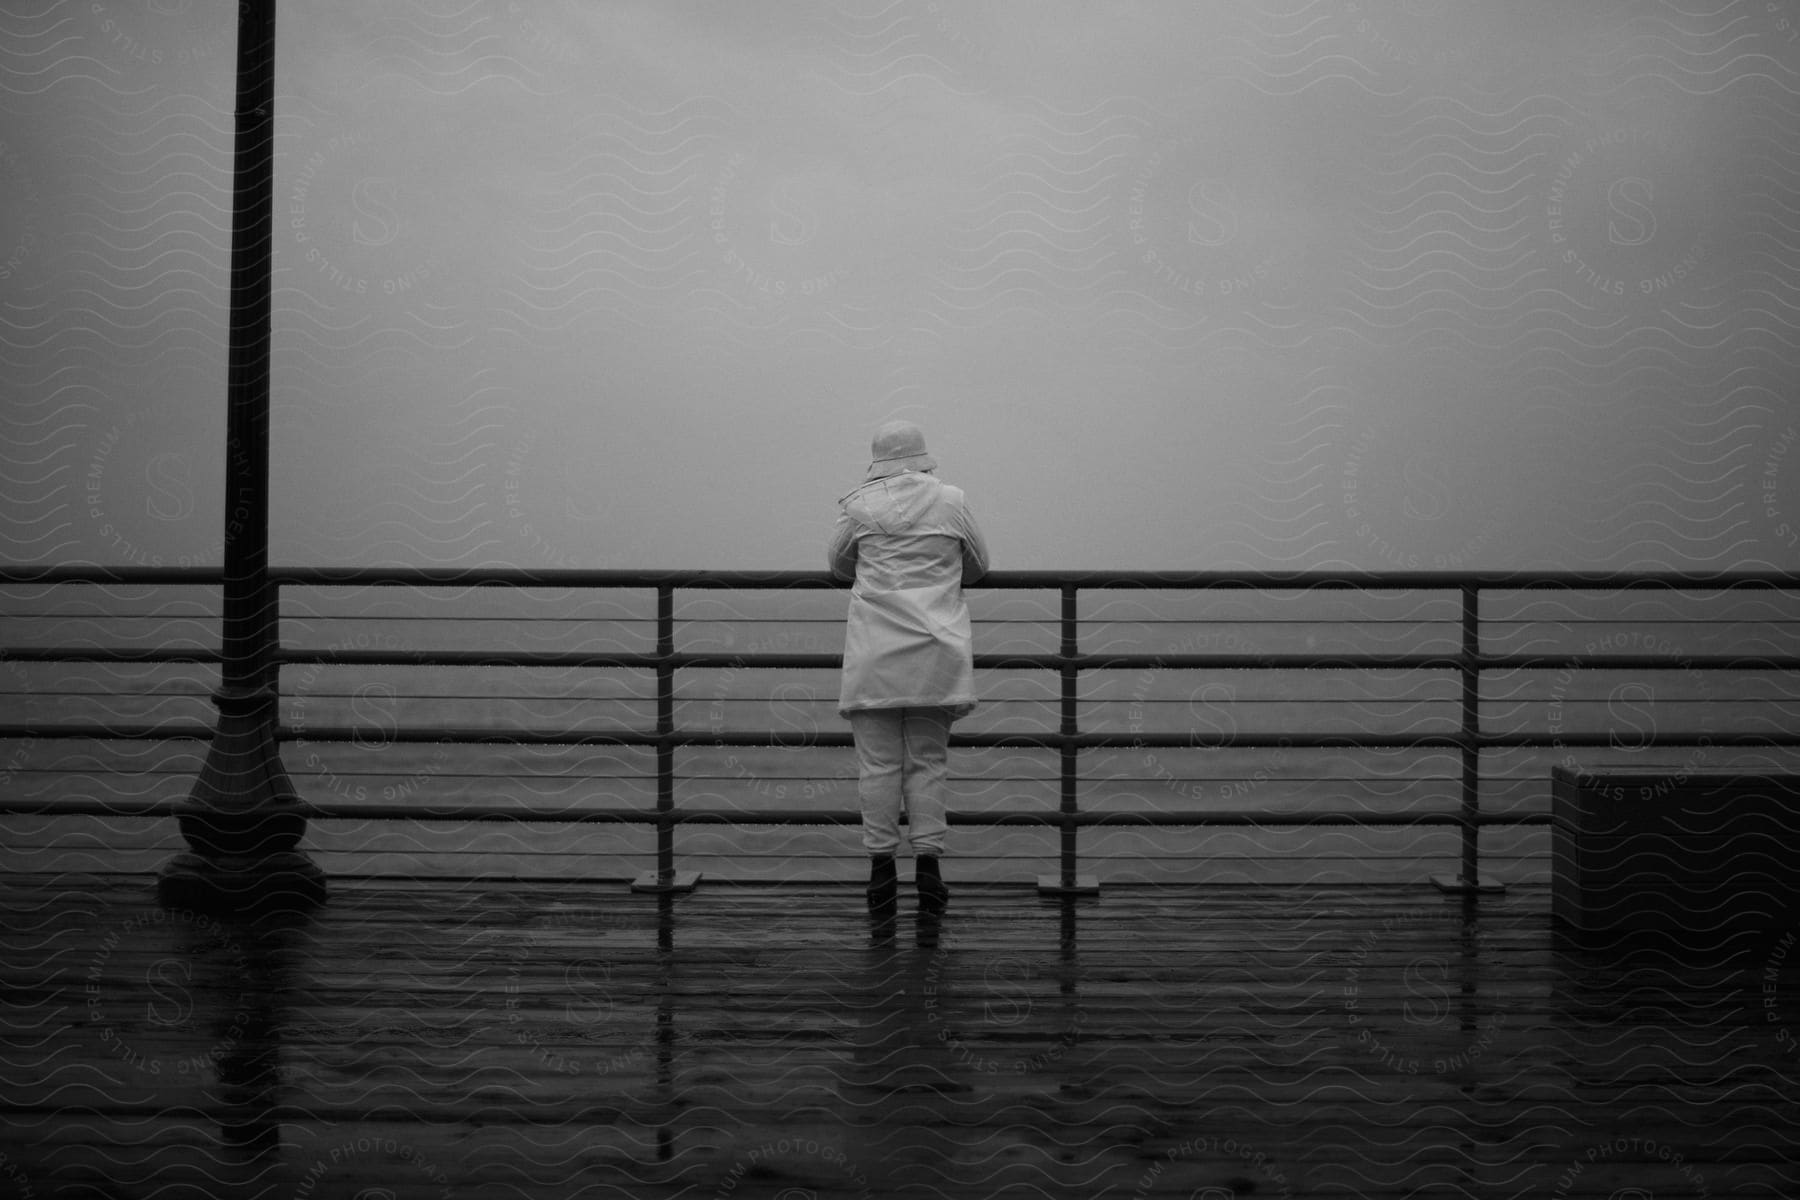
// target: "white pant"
[[902, 755]]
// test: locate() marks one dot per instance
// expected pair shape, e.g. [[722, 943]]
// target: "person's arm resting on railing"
[[975, 551], [840, 552]]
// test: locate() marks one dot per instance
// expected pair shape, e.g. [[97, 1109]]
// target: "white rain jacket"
[[910, 543]]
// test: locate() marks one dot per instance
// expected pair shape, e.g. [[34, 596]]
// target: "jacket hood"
[[894, 504]]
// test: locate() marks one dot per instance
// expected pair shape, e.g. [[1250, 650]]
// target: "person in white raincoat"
[[910, 543]]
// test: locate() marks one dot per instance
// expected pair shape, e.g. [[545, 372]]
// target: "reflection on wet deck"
[[476, 1038]]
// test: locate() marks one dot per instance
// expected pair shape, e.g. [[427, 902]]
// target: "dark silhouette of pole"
[[243, 844]]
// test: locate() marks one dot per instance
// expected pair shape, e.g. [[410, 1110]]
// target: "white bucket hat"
[[898, 446]]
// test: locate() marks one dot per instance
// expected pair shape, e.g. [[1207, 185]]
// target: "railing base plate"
[[1484, 884], [1054, 885], [679, 882]]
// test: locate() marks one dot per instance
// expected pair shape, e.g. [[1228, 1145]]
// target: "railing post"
[[1470, 878], [665, 878], [243, 843], [1067, 882]]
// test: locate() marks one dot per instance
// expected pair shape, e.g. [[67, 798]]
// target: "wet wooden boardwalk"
[[468, 1038]]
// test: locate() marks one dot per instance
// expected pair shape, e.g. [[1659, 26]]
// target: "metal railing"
[[1469, 662]]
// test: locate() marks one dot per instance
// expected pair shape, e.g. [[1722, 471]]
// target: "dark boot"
[[933, 895], [884, 887]]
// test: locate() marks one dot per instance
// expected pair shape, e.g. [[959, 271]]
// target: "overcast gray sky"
[[1167, 285]]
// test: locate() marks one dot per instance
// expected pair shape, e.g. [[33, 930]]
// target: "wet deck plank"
[[444, 1038]]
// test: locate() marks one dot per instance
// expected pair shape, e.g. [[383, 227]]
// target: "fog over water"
[[629, 284]]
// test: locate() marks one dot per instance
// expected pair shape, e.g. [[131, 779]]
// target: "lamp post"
[[245, 820]]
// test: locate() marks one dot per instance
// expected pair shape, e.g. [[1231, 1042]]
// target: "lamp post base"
[[243, 823], [286, 881]]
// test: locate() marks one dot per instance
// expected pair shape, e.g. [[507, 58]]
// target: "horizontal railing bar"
[[775, 661], [1040, 661], [1367, 580], [107, 654], [463, 618], [1373, 580], [759, 699], [1639, 662], [730, 816], [1021, 741], [1050, 739], [95, 573], [1046, 661]]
